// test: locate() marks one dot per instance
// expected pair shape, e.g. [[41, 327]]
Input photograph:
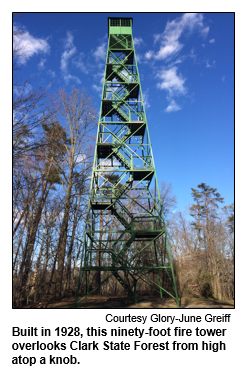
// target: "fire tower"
[[125, 235]]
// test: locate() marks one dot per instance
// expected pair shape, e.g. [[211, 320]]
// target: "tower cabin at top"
[[120, 25]]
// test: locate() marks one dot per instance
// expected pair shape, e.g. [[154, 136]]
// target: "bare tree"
[[79, 119], [32, 107]]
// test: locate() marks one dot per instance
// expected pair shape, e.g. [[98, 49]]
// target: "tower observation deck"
[[125, 237]]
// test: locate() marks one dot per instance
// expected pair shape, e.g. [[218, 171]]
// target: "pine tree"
[[229, 211], [204, 211]]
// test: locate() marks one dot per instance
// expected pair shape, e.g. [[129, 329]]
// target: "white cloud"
[[172, 107], [98, 89], [138, 41], [81, 157], [149, 54], [145, 99], [101, 51], [168, 49], [23, 91], [52, 73], [99, 76], [69, 52], [205, 31], [178, 61], [138, 58], [212, 41], [69, 77], [79, 64], [41, 64], [26, 45], [169, 39], [171, 82], [210, 65], [192, 54]]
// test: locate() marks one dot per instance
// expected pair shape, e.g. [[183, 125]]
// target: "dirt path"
[[97, 302]]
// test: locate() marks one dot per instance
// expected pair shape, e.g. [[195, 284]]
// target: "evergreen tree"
[[229, 211], [204, 211]]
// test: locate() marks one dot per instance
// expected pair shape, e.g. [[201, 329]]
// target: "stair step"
[[125, 209], [121, 190], [123, 250], [121, 219], [124, 285], [121, 159]]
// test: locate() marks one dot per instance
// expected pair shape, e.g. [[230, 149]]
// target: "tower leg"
[[159, 278]]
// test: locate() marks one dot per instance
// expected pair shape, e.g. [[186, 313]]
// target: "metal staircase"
[[121, 218], [124, 162], [118, 192]]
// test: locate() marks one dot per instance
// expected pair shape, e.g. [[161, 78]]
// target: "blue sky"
[[186, 67]]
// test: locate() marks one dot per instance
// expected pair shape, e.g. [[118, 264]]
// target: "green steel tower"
[[125, 234]]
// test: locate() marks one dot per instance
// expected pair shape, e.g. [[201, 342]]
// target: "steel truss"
[[125, 234]]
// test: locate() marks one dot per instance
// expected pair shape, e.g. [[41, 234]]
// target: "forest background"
[[53, 141]]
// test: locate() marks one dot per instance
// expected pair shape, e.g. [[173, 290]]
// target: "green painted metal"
[[125, 234]]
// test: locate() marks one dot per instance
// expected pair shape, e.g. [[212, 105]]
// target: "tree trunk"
[[32, 237], [38, 262], [61, 248], [71, 245]]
